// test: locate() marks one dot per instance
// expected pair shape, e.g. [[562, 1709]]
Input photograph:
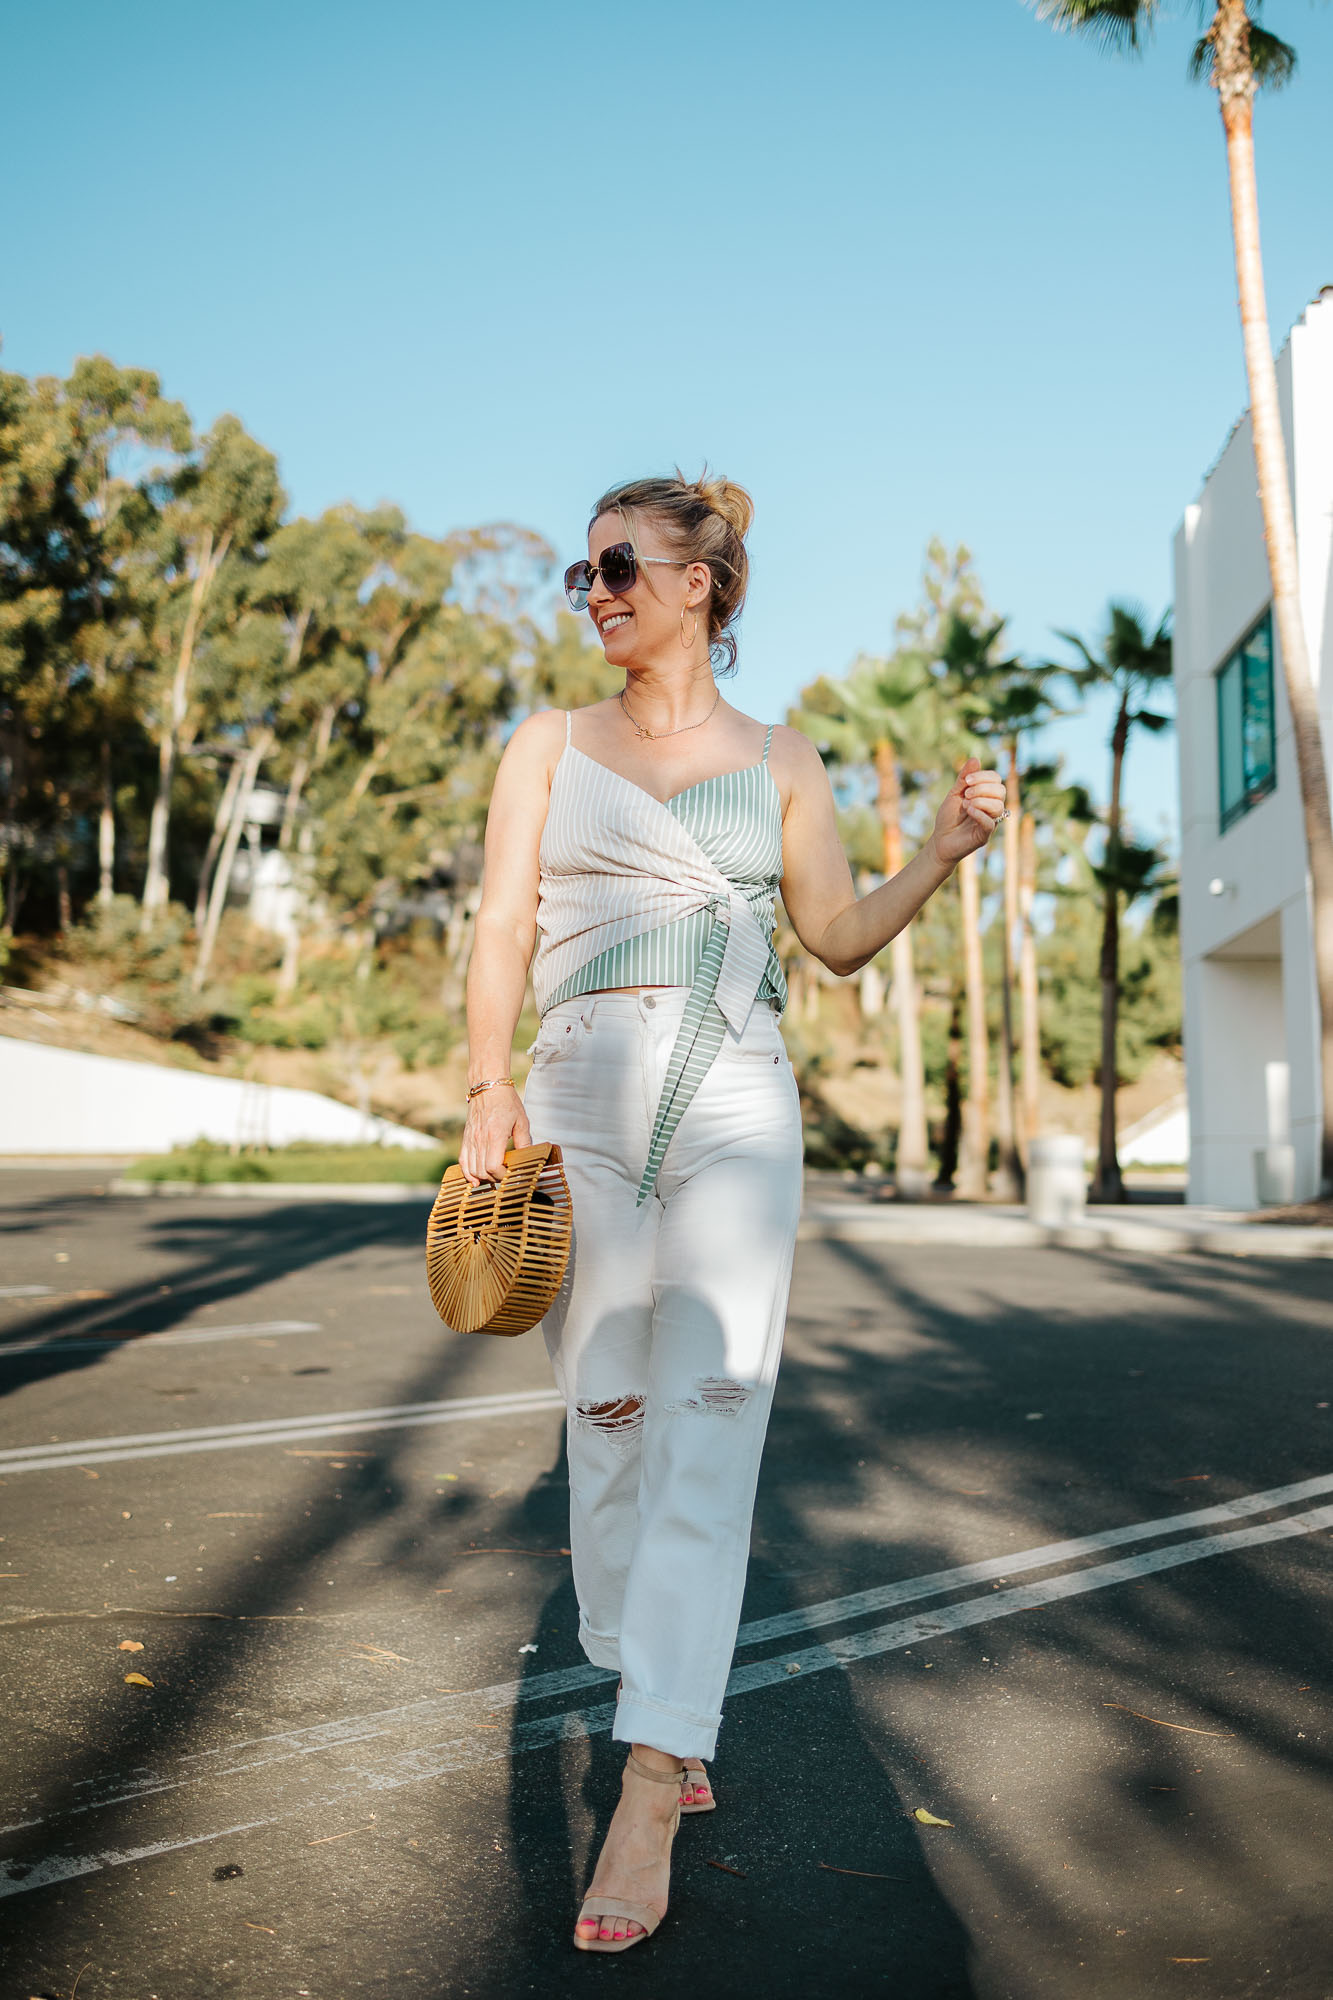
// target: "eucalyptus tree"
[[43, 565], [313, 576], [1132, 664], [117, 417], [248, 663], [566, 671], [434, 731], [884, 717], [1237, 57], [225, 499]]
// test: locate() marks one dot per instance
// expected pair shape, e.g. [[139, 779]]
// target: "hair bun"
[[728, 499]]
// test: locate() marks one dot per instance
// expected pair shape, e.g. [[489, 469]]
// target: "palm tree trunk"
[[913, 1150], [1234, 81], [974, 1155], [951, 1133], [1030, 1061], [254, 757], [1009, 1170], [1108, 1185]]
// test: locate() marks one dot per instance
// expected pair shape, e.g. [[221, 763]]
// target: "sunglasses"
[[618, 569]]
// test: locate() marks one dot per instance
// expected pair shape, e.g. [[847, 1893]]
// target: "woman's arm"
[[841, 930], [506, 931]]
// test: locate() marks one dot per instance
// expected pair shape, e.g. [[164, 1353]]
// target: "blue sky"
[[902, 271]]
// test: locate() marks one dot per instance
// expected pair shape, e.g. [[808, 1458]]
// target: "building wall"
[[1245, 930]]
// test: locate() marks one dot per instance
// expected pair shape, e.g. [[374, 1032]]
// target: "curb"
[[280, 1190], [846, 1222], [980, 1230]]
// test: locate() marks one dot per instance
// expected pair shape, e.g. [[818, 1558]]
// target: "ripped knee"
[[717, 1396], [620, 1421]]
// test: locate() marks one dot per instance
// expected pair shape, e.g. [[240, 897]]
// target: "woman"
[[638, 845]]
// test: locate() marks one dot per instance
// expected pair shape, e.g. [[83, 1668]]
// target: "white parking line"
[[172, 1336], [1027, 1597], [25, 1291], [429, 1754], [269, 1430], [834, 1609]]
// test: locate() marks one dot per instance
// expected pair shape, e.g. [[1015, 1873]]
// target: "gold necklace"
[[654, 734]]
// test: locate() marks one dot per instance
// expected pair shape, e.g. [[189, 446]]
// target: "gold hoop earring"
[[688, 644]]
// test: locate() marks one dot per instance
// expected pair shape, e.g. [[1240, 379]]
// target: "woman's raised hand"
[[495, 1121], [969, 814]]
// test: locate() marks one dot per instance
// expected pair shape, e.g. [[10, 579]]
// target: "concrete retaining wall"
[[59, 1101]]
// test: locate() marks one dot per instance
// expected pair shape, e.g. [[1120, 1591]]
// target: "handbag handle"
[[545, 1154]]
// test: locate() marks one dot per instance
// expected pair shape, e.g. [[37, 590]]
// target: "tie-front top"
[[635, 891]]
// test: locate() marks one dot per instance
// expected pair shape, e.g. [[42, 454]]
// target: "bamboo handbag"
[[496, 1254]]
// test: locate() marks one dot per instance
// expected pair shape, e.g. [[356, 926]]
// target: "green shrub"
[[206, 1163]]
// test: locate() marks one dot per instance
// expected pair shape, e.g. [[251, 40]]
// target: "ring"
[[1005, 813]]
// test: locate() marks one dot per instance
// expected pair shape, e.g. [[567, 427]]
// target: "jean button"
[[648, 1000]]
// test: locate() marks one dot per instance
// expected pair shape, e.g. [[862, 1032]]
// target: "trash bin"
[[1274, 1175], [1057, 1181]]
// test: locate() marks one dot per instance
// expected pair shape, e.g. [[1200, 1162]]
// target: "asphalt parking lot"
[[1042, 1550]]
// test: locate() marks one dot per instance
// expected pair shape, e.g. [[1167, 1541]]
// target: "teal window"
[[1246, 760]]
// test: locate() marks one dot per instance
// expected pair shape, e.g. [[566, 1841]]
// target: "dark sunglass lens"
[[578, 582], [618, 568]]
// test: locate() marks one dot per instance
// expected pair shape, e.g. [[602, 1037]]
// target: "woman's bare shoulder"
[[537, 741], [797, 765]]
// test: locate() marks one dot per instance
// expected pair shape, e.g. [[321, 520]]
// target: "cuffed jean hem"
[[602, 1648], [680, 1735]]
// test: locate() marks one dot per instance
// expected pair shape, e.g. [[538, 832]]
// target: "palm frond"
[[1118, 24], [1273, 61]]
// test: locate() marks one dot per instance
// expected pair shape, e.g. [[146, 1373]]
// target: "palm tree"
[[1054, 823], [1237, 57], [1132, 664], [999, 699], [883, 714]]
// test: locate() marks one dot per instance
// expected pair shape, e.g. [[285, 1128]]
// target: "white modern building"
[[1251, 1020]]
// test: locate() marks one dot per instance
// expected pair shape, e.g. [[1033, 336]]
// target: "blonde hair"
[[704, 520]]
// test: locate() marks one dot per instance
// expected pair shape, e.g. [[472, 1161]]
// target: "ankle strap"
[[658, 1777]]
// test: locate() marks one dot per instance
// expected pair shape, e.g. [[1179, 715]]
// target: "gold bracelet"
[[492, 1083]]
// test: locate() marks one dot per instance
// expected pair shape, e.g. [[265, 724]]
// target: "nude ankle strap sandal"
[[691, 1779], [596, 1906]]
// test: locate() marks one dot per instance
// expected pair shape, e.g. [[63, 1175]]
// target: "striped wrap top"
[[637, 891]]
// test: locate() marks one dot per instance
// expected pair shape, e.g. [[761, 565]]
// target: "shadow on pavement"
[[963, 1393], [214, 1255]]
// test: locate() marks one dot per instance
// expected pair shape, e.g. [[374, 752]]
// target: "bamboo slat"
[[496, 1255]]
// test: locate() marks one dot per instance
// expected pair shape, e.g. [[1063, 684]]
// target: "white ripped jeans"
[[665, 1339]]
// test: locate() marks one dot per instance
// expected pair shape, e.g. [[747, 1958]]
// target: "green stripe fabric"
[[736, 819]]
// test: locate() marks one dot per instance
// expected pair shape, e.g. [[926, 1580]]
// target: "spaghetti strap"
[[569, 726], [767, 740]]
